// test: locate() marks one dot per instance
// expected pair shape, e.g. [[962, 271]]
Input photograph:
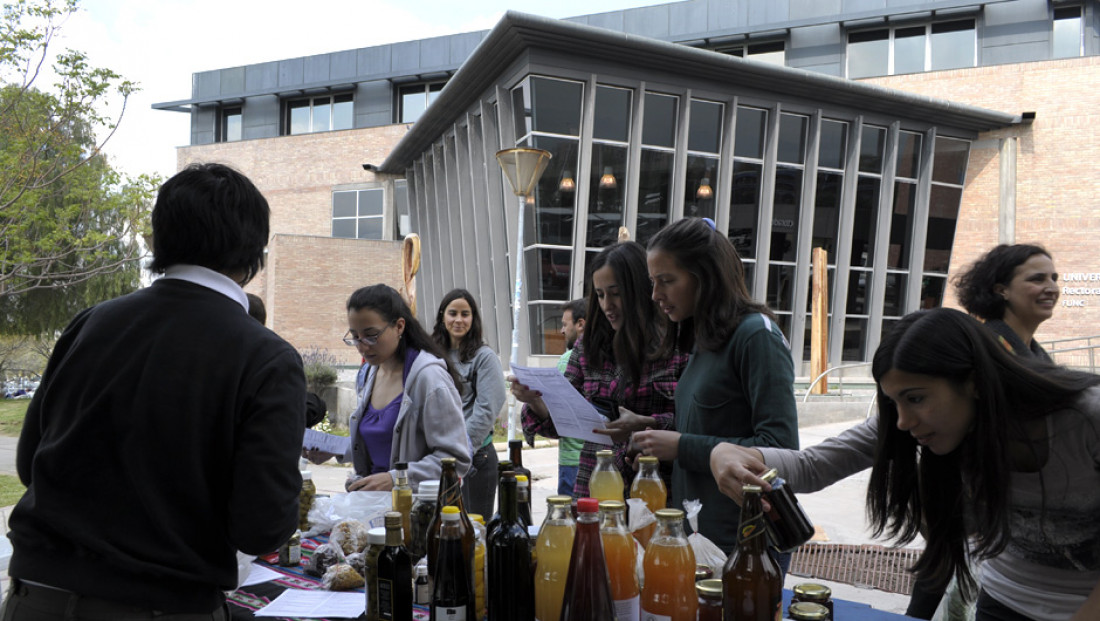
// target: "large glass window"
[[869, 53], [414, 99], [319, 114], [704, 145], [872, 154], [773, 52], [1066, 38], [912, 49], [607, 177], [750, 131], [659, 124], [357, 214], [230, 128], [948, 175], [953, 45]]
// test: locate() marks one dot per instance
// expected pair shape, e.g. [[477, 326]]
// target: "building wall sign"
[[1073, 288]]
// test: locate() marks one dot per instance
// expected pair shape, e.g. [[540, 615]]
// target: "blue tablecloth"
[[844, 610]]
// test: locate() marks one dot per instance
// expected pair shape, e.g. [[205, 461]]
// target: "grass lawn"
[[10, 490], [12, 412]]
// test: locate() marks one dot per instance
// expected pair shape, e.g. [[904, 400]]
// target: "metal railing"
[[840, 380]]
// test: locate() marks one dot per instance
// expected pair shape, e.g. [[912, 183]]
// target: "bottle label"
[[752, 527], [385, 598], [628, 608], [649, 616], [443, 613]]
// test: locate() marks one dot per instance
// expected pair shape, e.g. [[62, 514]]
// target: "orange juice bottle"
[[619, 552], [669, 566], [554, 545], [606, 482], [649, 487]]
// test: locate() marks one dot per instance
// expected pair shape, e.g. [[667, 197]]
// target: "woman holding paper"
[[617, 360]]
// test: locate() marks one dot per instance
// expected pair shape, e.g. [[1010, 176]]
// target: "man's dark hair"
[[576, 308], [256, 308], [212, 216]]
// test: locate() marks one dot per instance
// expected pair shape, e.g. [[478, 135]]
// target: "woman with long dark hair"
[[616, 358], [409, 408], [990, 456], [458, 332], [738, 386]]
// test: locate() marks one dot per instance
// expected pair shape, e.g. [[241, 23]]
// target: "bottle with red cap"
[[588, 586]]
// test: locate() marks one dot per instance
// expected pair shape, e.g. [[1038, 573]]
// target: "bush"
[[320, 368]]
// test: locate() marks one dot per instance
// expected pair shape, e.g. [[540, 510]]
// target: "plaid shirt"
[[654, 396]]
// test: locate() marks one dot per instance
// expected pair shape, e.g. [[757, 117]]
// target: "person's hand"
[[317, 456], [532, 398], [628, 422], [664, 445], [381, 482], [733, 466]]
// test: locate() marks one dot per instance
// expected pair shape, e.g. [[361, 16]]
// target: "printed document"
[[574, 416]]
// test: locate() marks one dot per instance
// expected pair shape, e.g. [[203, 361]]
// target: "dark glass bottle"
[[511, 587], [523, 499], [450, 493], [515, 455], [504, 465], [588, 586], [395, 589], [788, 525], [452, 596], [751, 586]]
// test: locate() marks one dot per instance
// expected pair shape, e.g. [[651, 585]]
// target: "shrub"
[[320, 368]]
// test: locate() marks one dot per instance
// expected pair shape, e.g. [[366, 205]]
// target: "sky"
[[160, 43]]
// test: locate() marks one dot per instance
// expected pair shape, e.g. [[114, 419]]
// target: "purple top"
[[376, 426]]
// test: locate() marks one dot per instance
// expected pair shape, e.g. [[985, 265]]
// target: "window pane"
[[781, 287], [370, 228], [433, 91], [827, 213], [953, 45], [702, 175], [547, 273], [859, 283], [834, 140], [901, 225], [909, 50], [788, 200], [792, 138], [521, 112], [659, 124], [299, 117], [413, 103], [855, 340], [909, 146], [706, 127], [654, 193], [232, 125], [773, 53], [894, 303], [931, 291], [344, 228], [612, 120], [556, 106], [343, 204], [343, 112], [401, 207], [322, 115], [545, 323], [370, 202], [865, 222], [554, 211], [868, 53], [605, 200], [752, 123], [744, 207], [870, 149], [943, 213], [949, 165], [1067, 32]]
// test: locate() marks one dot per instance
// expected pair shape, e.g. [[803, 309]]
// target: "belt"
[[68, 605]]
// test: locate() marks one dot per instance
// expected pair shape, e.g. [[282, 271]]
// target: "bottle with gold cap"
[[669, 584], [395, 589], [402, 499], [554, 546], [619, 552], [606, 482], [649, 487], [452, 595], [752, 589]]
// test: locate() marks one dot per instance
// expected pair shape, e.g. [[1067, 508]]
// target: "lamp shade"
[[523, 167], [704, 191]]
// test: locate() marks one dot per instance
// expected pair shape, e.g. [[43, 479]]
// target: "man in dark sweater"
[[166, 432]]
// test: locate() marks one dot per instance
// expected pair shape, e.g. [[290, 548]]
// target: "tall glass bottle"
[[480, 570], [553, 547], [402, 497], [450, 493], [523, 499], [511, 588], [504, 465], [515, 455], [376, 537], [669, 567], [649, 487], [395, 592], [452, 596], [588, 587], [606, 482], [619, 552], [751, 586]]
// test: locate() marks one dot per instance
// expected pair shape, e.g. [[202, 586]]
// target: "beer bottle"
[[395, 592], [511, 588], [588, 586], [452, 597], [751, 586]]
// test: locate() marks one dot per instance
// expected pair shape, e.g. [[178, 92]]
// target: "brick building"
[[856, 106]]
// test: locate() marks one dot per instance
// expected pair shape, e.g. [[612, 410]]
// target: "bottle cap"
[[558, 501], [647, 459], [393, 519], [376, 536], [421, 570], [811, 591], [751, 489], [612, 505], [770, 476], [605, 453], [428, 488], [515, 443], [476, 517], [809, 611], [307, 475], [669, 514], [448, 460], [710, 586], [450, 513], [401, 465], [588, 505], [521, 480]]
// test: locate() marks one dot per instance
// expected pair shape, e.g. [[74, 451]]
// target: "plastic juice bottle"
[[606, 482], [649, 487], [452, 596], [619, 552], [479, 564], [554, 546], [511, 589], [588, 588], [403, 500], [669, 566]]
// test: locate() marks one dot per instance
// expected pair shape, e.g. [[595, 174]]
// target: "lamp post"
[[523, 167]]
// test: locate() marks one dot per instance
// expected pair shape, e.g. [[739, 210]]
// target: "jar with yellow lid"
[[808, 611], [710, 599]]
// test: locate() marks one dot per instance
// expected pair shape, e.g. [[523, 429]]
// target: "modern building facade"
[[905, 138]]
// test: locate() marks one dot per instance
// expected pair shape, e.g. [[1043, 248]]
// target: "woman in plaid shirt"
[[616, 359]]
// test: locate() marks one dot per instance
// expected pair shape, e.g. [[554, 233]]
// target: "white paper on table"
[[326, 442], [302, 603], [573, 415], [258, 573]]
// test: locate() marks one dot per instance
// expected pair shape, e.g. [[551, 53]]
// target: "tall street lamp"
[[523, 167]]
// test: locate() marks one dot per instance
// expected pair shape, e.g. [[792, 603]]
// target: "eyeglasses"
[[370, 341]]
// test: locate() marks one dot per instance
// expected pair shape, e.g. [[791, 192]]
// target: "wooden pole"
[[819, 328]]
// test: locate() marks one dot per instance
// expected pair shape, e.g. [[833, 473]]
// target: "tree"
[[67, 219]]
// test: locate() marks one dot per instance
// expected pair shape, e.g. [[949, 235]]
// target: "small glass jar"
[[808, 611], [703, 572], [290, 553], [813, 593], [710, 599]]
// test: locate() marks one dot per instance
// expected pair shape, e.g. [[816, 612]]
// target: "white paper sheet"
[[327, 442], [574, 416], [301, 603], [259, 573]]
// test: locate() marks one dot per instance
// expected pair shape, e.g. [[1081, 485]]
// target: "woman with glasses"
[[409, 408], [458, 332]]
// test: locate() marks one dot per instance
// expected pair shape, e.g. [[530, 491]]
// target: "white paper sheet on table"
[[302, 603], [327, 442], [573, 415], [258, 573]]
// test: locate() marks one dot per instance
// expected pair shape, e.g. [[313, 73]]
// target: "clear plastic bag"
[[368, 507], [342, 577], [350, 535], [639, 517], [706, 552], [326, 555]]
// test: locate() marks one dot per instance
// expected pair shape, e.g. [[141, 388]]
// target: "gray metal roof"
[[517, 32]]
